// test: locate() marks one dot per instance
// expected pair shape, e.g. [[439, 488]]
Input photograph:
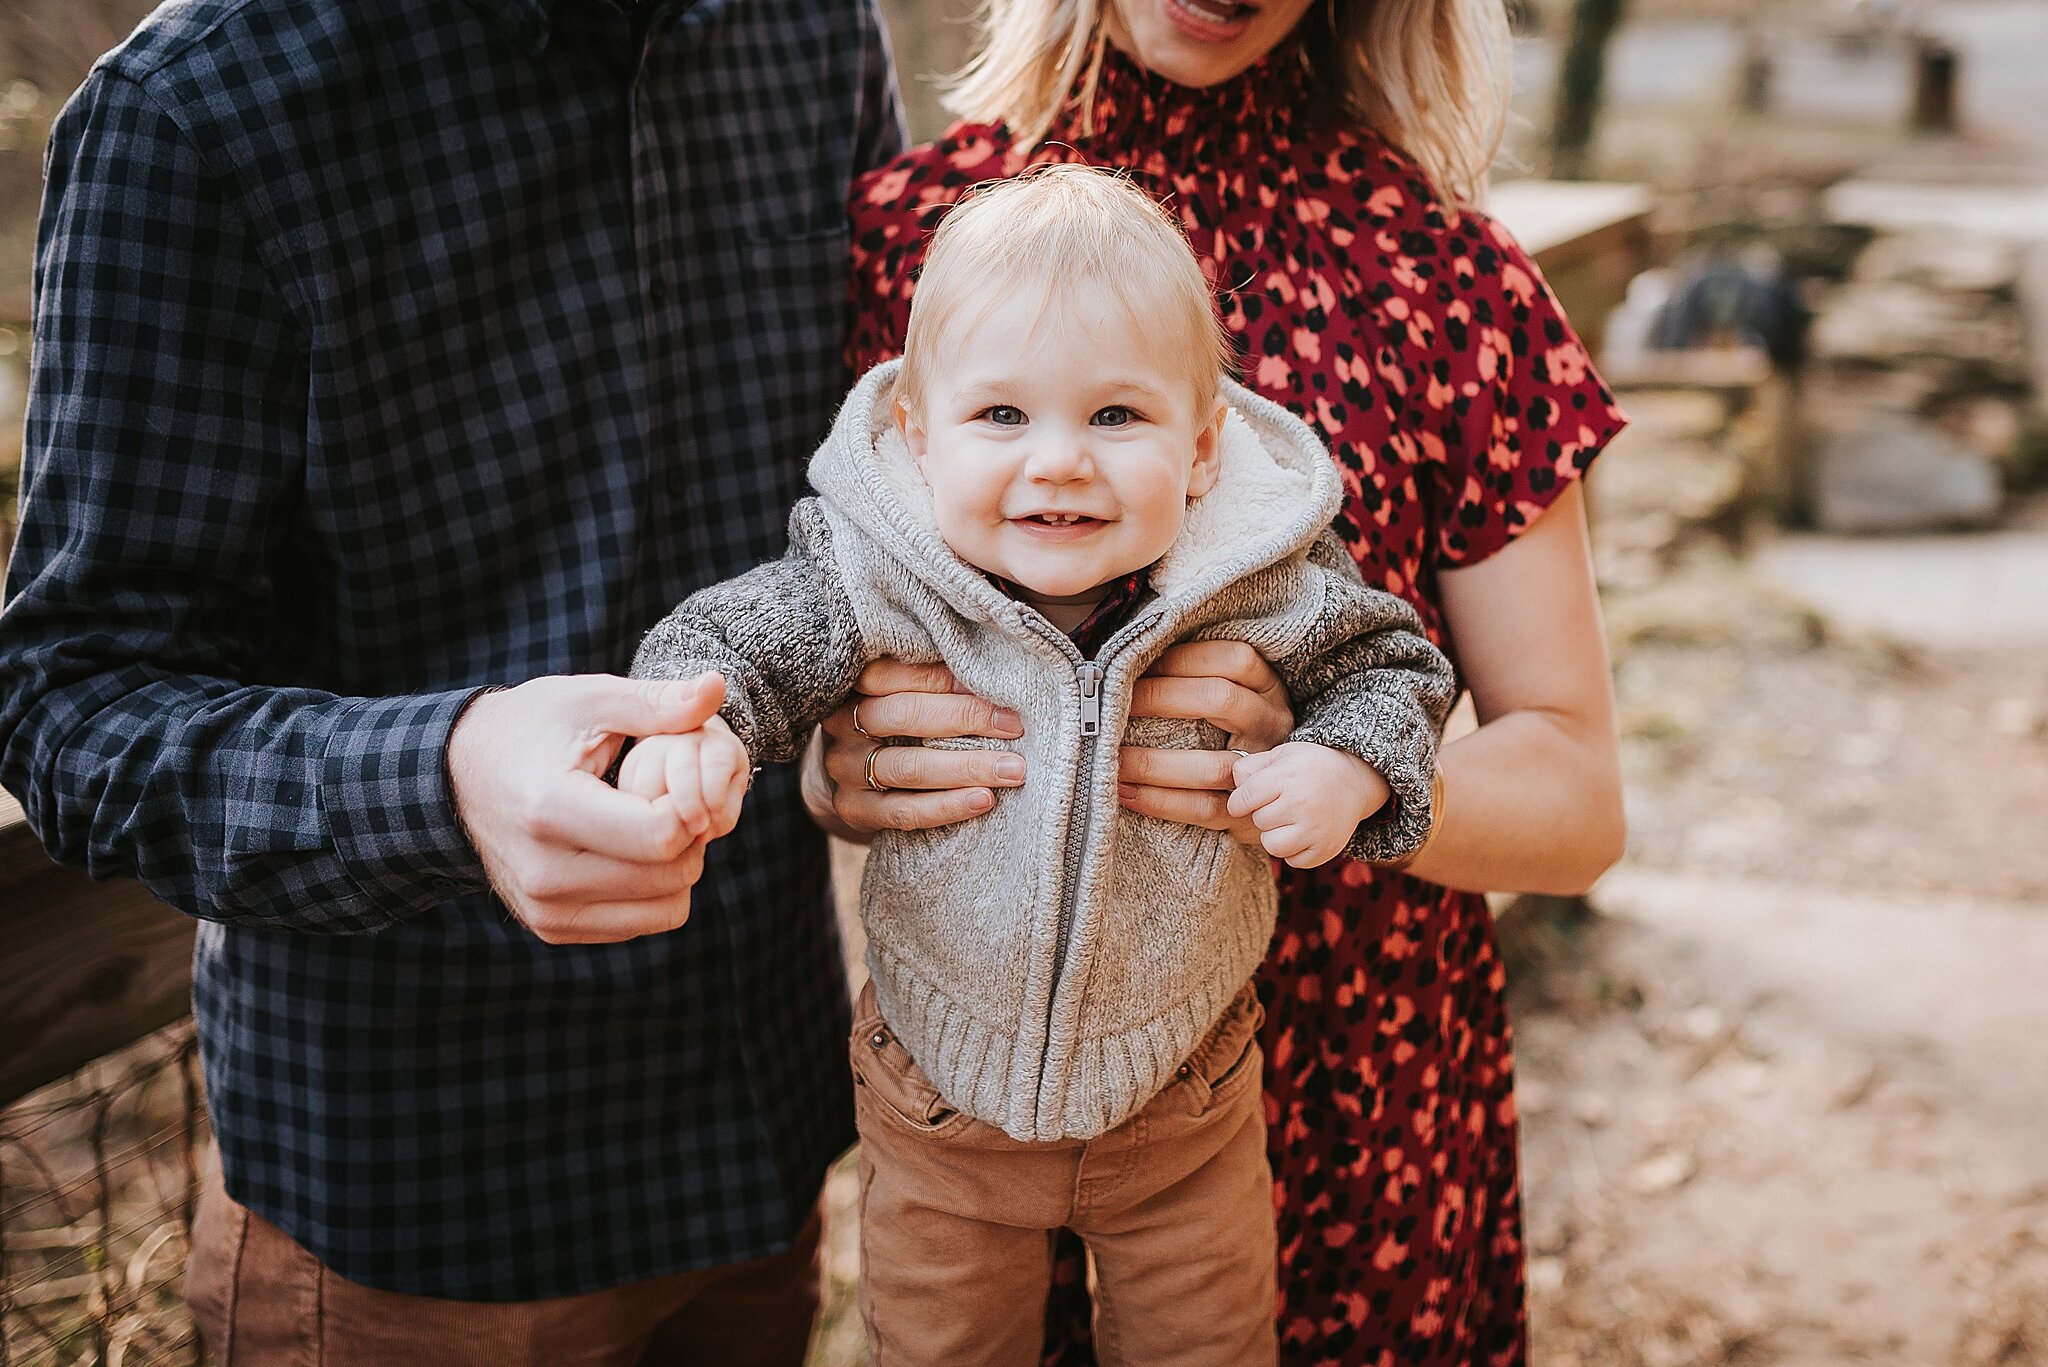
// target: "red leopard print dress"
[[1458, 404]]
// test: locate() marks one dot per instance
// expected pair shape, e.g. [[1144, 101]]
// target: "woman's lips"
[[1208, 21]]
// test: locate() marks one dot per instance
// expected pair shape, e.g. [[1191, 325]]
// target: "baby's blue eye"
[[1116, 415], [1002, 415]]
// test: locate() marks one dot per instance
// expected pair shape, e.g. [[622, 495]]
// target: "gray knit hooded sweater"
[[1051, 962]]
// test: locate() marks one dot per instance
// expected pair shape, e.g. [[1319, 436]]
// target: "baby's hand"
[[704, 773], [1306, 800]]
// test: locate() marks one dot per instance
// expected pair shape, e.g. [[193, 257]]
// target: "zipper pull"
[[1090, 675]]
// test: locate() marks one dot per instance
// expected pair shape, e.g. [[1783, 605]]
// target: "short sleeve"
[[1514, 410]]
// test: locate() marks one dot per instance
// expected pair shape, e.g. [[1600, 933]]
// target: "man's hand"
[[703, 774], [575, 860], [1306, 800]]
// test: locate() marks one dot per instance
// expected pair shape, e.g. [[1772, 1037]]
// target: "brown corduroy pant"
[[1175, 1205], [261, 1300]]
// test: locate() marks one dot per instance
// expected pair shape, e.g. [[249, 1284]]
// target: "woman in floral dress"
[[1323, 162]]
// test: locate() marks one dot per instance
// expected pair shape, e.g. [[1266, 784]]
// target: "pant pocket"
[[1228, 1057], [886, 1074]]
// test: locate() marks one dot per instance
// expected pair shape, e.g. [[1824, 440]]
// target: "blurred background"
[[1783, 1079]]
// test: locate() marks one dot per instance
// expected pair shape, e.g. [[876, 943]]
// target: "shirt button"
[[879, 1040], [1184, 1072], [657, 289]]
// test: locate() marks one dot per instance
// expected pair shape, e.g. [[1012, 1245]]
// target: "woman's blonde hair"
[[1429, 76], [1055, 227]]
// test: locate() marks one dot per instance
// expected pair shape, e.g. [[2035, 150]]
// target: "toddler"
[[1053, 486]]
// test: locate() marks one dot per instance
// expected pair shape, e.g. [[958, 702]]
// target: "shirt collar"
[[1115, 609]]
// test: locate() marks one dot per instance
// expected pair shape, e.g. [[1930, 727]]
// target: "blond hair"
[[1429, 76], [1056, 226]]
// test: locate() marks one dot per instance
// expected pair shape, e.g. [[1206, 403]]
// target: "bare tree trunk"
[[1579, 80]]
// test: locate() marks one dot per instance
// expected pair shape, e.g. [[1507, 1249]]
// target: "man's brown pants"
[[1175, 1204], [262, 1301]]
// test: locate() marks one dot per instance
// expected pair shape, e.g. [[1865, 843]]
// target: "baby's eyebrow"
[[1119, 387], [984, 391]]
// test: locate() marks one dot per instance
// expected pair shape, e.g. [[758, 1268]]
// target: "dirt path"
[[1772, 1126], [1786, 1099]]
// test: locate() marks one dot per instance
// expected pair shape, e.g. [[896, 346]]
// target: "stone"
[[1886, 324], [1989, 425], [1838, 396], [1956, 263], [1899, 474]]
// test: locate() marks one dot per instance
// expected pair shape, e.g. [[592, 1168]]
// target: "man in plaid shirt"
[[390, 352]]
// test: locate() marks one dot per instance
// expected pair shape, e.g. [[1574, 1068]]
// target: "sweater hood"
[[1276, 491]]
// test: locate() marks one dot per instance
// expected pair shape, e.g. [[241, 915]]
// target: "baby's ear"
[[1208, 453], [912, 430]]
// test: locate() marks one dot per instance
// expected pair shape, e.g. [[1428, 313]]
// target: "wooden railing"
[[86, 968]]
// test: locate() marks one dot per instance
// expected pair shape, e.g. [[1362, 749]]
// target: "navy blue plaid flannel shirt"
[[386, 349]]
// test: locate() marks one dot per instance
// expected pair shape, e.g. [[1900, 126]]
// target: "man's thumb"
[[657, 707]]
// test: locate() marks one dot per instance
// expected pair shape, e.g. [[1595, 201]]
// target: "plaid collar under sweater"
[[1105, 617]]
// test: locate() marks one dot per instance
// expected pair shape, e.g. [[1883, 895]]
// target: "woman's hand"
[[1227, 684], [919, 787]]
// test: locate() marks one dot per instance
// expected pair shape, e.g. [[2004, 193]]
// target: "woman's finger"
[[924, 716], [1233, 660], [894, 676], [1254, 721], [914, 766], [1208, 770], [1187, 807], [910, 811]]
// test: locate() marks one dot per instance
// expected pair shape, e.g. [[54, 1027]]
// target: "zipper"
[[1088, 674]]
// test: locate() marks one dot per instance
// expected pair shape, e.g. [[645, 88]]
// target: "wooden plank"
[[88, 967], [20, 854], [85, 967], [1566, 217], [1590, 238]]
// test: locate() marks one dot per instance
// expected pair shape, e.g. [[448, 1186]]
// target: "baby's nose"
[[1061, 460]]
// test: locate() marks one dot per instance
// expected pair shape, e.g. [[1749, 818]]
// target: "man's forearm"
[[273, 807]]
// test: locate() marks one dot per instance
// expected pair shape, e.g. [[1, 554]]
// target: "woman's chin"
[[1188, 51]]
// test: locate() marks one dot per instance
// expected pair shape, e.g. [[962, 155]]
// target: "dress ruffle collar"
[[1136, 112]]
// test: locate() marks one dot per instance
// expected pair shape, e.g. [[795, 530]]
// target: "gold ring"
[[867, 773], [858, 729]]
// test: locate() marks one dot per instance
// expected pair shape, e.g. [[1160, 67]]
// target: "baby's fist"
[[704, 774], [1306, 800]]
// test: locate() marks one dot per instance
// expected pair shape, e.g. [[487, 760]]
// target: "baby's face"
[[1062, 445]]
